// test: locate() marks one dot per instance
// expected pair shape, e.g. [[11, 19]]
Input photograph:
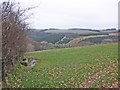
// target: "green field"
[[72, 31], [87, 66]]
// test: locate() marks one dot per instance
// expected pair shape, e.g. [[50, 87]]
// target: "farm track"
[[93, 78], [76, 41]]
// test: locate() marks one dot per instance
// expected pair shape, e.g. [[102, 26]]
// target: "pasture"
[[77, 67], [72, 31]]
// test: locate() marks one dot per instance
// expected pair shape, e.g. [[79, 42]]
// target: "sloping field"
[[72, 31], [78, 67]]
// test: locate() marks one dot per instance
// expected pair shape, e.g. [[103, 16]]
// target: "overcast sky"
[[95, 14]]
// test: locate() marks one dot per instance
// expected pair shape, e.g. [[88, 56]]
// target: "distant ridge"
[[98, 30]]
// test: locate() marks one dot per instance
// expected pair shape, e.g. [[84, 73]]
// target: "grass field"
[[72, 31], [78, 67]]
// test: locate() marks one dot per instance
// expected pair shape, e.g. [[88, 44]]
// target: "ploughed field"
[[77, 67]]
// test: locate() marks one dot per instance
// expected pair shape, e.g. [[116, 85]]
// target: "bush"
[[14, 40]]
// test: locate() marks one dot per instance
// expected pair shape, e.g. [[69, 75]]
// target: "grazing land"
[[76, 67], [72, 31]]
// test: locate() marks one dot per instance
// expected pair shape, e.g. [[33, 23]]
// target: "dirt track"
[[75, 41]]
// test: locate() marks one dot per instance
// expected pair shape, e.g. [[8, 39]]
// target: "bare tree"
[[0, 47], [14, 40]]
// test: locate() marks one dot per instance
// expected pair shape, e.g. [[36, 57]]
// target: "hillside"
[[43, 39], [78, 67], [55, 35]]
